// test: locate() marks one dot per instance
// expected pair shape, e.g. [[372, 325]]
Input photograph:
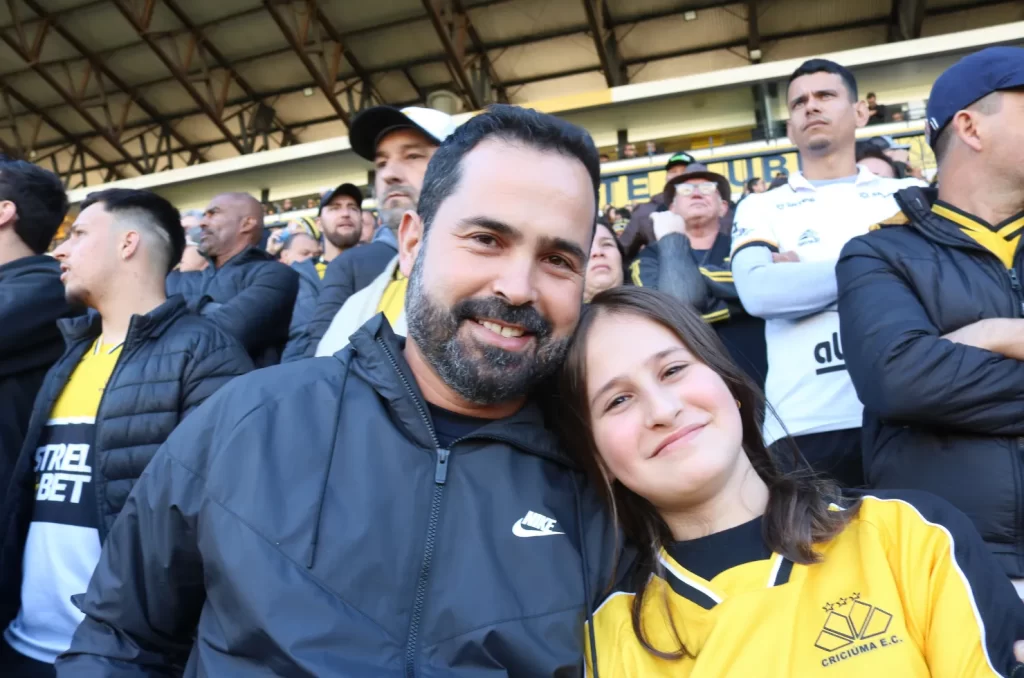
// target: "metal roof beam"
[[351, 58], [906, 19], [100, 66], [447, 27], [299, 36], [28, 45], [58, 128], [213, 109], [602, 31]]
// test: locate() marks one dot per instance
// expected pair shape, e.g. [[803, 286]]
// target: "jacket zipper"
[[118, 364], [440, 475], [1018, 296]]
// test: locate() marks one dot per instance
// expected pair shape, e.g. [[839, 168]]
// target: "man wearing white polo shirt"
[[785, 245]]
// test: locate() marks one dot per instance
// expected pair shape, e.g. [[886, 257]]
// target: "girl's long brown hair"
[[798, 513]]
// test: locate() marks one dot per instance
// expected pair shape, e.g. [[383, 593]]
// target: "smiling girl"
[[745, 570]]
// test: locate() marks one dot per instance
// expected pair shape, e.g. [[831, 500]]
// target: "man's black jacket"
[[306, 522], [31, 302], [250, 297], [305, 305], [346, 274], [938, 416], [171, 362]]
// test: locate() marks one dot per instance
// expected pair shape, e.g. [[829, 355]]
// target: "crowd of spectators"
[[229, 448]]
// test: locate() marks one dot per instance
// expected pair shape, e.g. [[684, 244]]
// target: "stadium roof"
[[99, 90]]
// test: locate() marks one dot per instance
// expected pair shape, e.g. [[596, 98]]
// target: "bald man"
[[244, 290]]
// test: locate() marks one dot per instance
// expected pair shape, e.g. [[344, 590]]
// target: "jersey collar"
[[798, 182]]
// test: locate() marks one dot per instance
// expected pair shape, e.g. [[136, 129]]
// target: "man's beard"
[[481, 374], [392, 216], [342, 240]]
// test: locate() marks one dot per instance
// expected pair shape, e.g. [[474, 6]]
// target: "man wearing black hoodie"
[[425, 522], [32, 206]]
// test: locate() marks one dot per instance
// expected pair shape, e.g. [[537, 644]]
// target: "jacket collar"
[[250, 253], [916, 203], [141, 327], [379, 359], [386, 236], [798, 182], [36, 263]]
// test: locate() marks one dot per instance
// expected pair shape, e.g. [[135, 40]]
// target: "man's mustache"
[[493, 308]]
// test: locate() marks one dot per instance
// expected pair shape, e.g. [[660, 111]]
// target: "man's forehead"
[[815, 81], [403, 137]]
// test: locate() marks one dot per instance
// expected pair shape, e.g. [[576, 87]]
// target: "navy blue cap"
[[345, 189], [976, 75]]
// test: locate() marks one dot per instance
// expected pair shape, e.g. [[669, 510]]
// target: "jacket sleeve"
[[305, 305], [146, 594], [258, 313], [639, 232], [961, 608], [901, 366], [28, 309], [144, 599], [668, 266], [338, 286], [214, 363]]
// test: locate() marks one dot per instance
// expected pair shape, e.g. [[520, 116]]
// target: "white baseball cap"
[[371, 125]]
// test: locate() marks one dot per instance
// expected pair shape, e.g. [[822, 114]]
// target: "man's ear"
[[410, 239], [251, 227], [861, 113], [723, 207], [129, 244], [8, 213]]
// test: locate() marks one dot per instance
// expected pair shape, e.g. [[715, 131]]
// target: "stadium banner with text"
[[620, 187]]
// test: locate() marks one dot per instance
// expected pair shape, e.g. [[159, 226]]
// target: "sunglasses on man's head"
[[705, 188]]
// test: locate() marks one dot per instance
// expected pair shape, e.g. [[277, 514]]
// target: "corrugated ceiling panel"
[[973, 18], [395, 45], [784, 16], [814, 45], [524, 18], [557, 87], [704, 62], [550, 56], [712, 27]]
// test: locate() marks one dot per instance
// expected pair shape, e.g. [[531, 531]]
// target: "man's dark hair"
[[751, 182], [148, 211], [825, 66], [871, 95], [39, 197], [506, 123]]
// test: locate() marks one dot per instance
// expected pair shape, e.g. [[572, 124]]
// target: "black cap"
[[677, 159], [372, 124], [345, 189], [698, 171]]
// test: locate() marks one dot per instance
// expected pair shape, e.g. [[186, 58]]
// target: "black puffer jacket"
[[360, 548], [171, 362], [250, 297], [31, 302], [938, 416]]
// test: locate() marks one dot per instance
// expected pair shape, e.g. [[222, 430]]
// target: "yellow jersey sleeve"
[[612, 621], [961, 608]]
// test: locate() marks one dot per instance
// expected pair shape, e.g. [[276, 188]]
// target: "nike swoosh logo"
[[520, 531]]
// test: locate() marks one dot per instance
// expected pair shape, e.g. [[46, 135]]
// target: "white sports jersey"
[[807, 381]]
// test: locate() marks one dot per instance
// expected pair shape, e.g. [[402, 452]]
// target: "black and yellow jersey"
[[392, 302], [907, 590]]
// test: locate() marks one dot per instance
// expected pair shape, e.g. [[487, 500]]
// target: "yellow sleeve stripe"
[[634, 273], [716, 316], [718, 276], [763, 242]]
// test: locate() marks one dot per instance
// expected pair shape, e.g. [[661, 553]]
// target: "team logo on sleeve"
[[853, 627]]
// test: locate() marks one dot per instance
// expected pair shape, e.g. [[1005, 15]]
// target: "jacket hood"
[[379, 359], [42, 265], [307, 270], [152, 324]]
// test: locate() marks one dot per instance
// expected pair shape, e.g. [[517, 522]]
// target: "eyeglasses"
[[705, 188]]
